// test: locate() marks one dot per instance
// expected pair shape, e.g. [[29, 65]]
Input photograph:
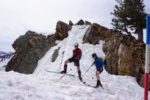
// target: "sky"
[[18, 16], [39, 13]]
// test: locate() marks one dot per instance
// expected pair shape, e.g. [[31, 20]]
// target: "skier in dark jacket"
[[77, 53], [99, 68]]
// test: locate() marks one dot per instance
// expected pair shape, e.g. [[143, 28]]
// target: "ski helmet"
[[76, 44]]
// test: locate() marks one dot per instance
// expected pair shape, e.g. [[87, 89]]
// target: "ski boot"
[[98, 84], [79, 73], [65, 70]]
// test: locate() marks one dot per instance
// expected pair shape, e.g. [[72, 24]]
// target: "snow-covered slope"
[[44, 85]]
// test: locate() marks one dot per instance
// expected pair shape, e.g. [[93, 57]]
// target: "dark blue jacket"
[[98, 63]]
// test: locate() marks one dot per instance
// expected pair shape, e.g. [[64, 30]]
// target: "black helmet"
[[94, 55], [76, 44]]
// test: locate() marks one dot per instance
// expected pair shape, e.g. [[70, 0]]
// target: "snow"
[[43, 85]]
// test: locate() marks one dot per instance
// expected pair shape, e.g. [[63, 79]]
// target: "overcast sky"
[[17, 16]]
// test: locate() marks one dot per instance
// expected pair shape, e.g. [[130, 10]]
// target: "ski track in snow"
[[43, 85]]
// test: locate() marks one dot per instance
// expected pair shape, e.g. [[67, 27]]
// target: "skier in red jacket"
[[77, 53]]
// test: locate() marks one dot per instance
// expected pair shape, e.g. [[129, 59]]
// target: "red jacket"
[[77, 53]]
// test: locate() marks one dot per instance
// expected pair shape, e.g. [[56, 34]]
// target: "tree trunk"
[[140, 34]]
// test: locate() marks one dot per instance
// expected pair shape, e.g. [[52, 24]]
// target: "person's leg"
[[98, 79], [79, 72], [100, 71], [65, 66], [97, 75], [76, 62], [78, 68]]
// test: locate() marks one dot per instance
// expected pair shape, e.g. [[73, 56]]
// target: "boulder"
[[95, 33], [29, 49], [61, 30], [125, 61], [125, 56]]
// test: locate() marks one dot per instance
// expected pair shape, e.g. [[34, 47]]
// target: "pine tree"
[[129, 16]]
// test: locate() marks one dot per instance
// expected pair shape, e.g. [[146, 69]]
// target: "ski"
[[100, 89], [60, 73], [82, 81], [85, 83]]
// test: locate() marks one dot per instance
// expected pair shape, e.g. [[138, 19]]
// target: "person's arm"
[[93, 63]]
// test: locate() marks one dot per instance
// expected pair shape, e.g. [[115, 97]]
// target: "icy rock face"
[[29, 49], [62, 30]]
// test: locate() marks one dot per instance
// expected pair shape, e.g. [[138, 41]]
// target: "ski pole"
[[88, 69]]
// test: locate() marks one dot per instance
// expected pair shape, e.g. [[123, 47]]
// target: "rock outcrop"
[[125, 56], [80, 22], [95, 33], [29, 49], [32, 46], [62, 30], [70, 23]]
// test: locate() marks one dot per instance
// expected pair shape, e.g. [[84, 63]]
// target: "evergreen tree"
[[129, 16]]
